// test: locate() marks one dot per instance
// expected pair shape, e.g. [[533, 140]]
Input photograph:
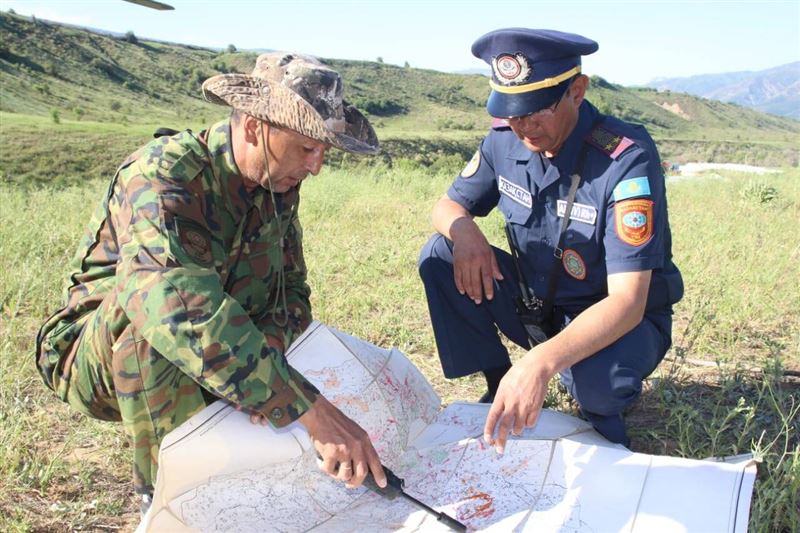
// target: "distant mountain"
[[475, 70], [775, 90], [52, 70]]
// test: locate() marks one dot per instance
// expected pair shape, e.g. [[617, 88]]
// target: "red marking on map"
[[481, 510]]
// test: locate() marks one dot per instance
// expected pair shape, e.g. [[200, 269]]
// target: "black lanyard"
[[529, 299]]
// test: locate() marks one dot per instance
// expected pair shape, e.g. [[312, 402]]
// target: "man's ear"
[[578, 89], [250, 126]]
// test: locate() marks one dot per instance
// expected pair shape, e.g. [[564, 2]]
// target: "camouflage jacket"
[[195, 261]]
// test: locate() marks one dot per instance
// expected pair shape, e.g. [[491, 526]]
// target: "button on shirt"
[[529, 189]]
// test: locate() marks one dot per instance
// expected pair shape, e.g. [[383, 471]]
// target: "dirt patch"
[[675, 109]]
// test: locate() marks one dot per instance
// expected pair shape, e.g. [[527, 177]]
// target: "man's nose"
[[315, 161]]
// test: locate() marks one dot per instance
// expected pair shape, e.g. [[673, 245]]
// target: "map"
[[219, 472]]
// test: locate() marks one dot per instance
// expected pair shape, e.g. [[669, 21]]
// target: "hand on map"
[[517, 403], [346, 450], [474, 264]]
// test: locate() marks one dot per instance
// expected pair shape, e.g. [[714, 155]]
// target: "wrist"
[[540, 362], [460, 227]]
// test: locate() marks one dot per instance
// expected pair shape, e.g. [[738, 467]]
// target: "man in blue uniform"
[[591, 294]]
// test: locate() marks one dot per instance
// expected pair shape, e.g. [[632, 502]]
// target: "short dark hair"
[[236, 116]]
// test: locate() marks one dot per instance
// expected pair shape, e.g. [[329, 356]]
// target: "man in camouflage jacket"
[[189, 284]]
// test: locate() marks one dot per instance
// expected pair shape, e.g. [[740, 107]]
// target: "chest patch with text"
[[580, 212], [515, 192]]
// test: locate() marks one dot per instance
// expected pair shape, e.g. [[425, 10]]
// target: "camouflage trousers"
[[116, 375]]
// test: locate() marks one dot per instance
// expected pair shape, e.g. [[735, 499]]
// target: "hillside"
[[76, 80], [775, 90]]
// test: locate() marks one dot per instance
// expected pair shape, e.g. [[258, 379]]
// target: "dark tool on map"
[[395, 487]]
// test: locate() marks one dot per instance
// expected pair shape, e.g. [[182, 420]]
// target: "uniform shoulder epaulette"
[[180, 157], [608, 142], [499, 124]]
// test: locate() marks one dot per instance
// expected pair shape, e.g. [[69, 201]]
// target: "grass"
[[722, 391]]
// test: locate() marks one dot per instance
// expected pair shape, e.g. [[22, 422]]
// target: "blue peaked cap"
[[531, 69]]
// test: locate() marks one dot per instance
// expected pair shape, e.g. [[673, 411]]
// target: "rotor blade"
[[152, 4]]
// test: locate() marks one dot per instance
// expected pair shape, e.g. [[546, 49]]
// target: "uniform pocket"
[[514, 212]]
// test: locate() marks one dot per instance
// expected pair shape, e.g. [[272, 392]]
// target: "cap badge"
[[511, 68]]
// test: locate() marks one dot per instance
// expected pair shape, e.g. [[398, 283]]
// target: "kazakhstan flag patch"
[[631, 188]]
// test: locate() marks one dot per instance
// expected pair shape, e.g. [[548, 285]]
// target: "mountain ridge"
[[775, 90], [49, 69]]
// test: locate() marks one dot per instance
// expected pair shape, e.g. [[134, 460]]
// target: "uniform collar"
[[220, 151], [519, 151], [565, 160], [563, 164]]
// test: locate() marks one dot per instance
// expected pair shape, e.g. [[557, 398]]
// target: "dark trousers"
[[466, 334]]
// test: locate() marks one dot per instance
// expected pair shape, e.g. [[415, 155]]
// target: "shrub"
[[231, 49], [380, 106], [131, 37], [56, 116], [758, 192]]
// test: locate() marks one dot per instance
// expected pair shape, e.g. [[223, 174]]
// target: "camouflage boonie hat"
[[300, 93]]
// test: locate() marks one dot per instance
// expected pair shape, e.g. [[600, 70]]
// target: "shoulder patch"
[[633, 220], [195, 241], [473, 165], [612, 144], [631, 188], [499, 123]]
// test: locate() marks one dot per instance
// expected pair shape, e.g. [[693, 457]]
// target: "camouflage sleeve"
[[174, 297]]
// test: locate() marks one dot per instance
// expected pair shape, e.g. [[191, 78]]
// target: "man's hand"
[[518, 401], [474, 264], [346, 451], [257, 418]]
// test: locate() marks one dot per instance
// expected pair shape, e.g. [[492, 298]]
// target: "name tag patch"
[[515, 192], [580, 212]]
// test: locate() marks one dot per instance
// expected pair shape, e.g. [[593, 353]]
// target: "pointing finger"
[[491, 421], [376, 468]]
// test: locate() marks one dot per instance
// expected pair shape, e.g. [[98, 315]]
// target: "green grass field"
[[729, 385]]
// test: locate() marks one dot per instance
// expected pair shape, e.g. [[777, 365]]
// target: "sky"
[[639, 40]]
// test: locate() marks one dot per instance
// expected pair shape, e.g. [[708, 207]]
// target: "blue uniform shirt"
[[619, 218]]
